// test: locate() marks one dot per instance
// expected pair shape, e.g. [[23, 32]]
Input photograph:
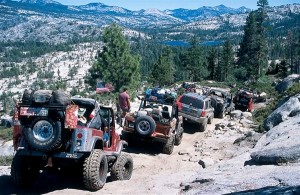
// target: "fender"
[[84, 141]]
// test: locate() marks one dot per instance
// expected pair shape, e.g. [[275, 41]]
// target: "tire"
[[178, 137], [210, 119], [145, 125], [203, 126], [23, 171], [169, 146], [95, 169], [221, 115], [122, 168], [44, 134]]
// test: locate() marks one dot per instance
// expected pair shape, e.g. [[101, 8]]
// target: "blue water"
[[182, 43]]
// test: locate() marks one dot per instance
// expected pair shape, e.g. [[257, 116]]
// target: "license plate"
[[30, 111]]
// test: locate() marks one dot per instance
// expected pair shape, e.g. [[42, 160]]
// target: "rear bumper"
[[154, 137], [190, 118], [63, 155]]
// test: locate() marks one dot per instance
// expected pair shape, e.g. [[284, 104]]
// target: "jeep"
[[244, 100], [42, 139], [155, 121], [195, 108], [222, 102]]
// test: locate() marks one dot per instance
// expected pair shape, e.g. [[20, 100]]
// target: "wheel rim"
[[42, 131], [144, 126]]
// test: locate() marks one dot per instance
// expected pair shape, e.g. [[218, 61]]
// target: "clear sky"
[[173, 4]]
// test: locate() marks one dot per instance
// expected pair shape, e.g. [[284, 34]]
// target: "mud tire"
[[178, 137], [122, 168], [95, 169], [169, 146], [145, 125], [44, 134], [203, 126], [23, 171]]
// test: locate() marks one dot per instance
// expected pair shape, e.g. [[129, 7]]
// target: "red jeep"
[[155, 121], [41, 140], [243, 100]]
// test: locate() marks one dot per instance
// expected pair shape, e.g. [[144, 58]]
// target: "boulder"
[[246, 123], [7, 149], [288, 109], [236, 114], [279, 145], [287, 82], [247, 115]]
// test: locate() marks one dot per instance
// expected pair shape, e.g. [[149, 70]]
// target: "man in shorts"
[[124, 103]]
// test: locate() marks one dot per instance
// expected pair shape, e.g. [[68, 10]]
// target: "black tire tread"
[[169, 146], [91, 170], [21, 173], [117, 169], [49, 147], [178, 137], [150, 120]]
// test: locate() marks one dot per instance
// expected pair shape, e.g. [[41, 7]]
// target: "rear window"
[[192, 101]]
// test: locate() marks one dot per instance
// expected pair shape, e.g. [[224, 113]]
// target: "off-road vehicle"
[[156, 120], [243, 100], [42, 139], [222, 102], [195, 108]]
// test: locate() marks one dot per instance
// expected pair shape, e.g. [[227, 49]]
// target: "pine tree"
[[247, 52], [227, 60], [212, 63], [262, 48], [115, 63], [163, 70], [194, 61]]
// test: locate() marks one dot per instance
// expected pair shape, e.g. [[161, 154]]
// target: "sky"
[[174, 4]]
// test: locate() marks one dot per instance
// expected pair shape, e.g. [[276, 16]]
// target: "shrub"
[[6, 160], [6, 133]]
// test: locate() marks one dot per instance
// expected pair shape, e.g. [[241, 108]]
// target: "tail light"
[[203, 113]]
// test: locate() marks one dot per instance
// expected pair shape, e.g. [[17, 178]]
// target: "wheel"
[[44, 134], [210, 119], [203, 126], [221, 115], [178, 136], [145, 125], [95, 169], [23, 171], [169, 146], [122, 168]]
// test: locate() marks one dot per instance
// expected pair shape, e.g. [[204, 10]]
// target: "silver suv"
[[195, 108]]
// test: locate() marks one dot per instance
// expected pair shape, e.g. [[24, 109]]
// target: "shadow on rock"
[[48, 181], [272, 190]]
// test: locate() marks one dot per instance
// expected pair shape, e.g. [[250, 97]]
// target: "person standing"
[[124, 103]]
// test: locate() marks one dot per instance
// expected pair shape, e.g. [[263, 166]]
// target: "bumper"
[[63, 155], [190, 118], [154, 137]]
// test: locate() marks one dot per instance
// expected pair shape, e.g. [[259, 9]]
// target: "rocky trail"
[[153, 172], [219, 160]]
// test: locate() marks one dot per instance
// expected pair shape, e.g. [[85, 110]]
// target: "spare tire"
[[44, 134], [145, 125]]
